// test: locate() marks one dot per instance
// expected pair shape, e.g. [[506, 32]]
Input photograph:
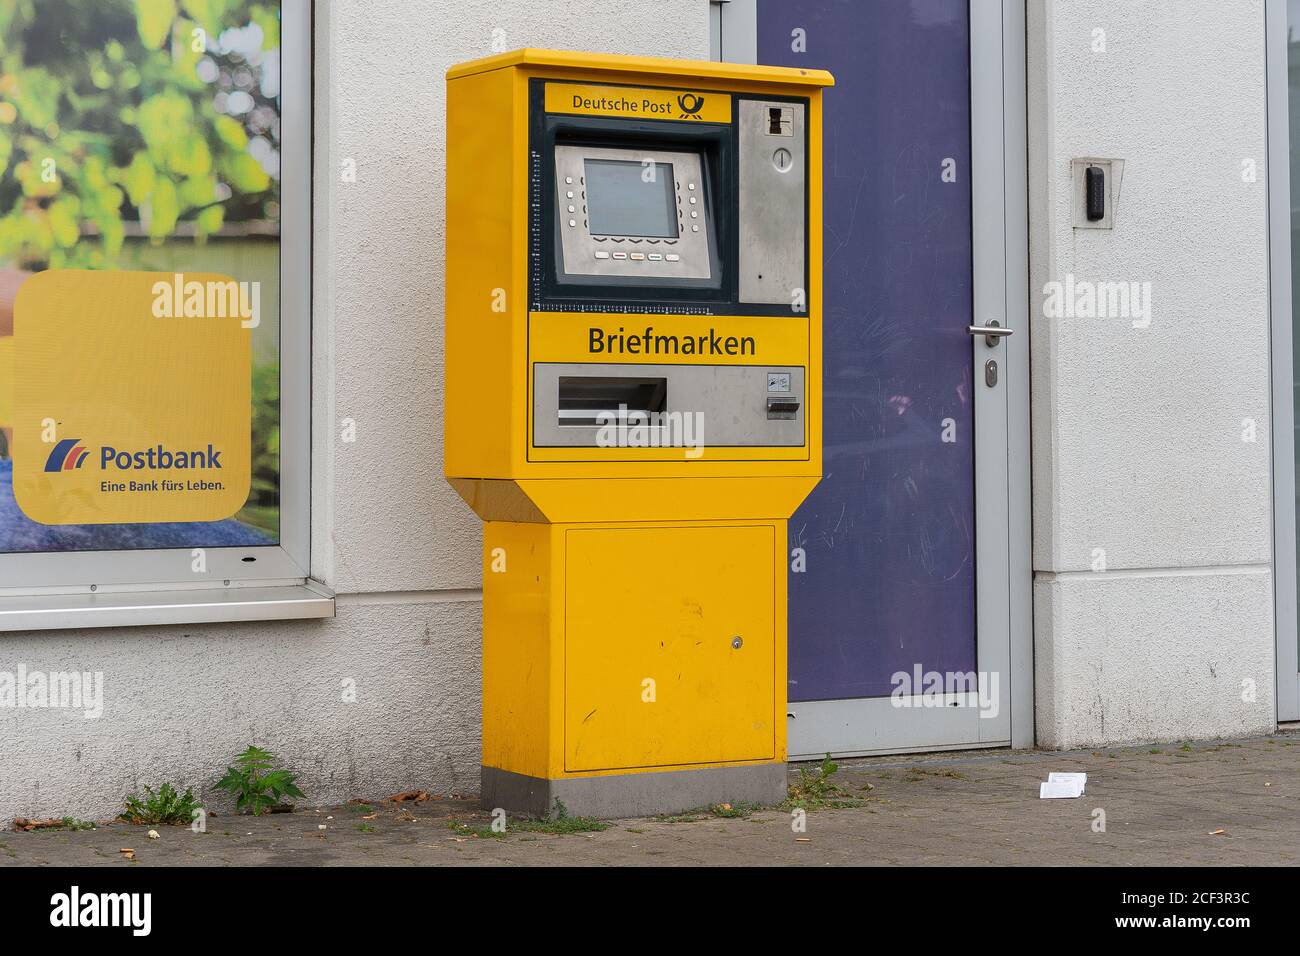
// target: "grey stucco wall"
[[1138, 452], [388, 534]]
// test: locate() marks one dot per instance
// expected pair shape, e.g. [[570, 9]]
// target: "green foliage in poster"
[[114, 112]]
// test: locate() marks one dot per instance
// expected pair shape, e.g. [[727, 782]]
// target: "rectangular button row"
[[639, 256]]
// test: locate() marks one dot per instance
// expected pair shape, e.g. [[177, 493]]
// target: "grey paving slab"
[[972, 808]]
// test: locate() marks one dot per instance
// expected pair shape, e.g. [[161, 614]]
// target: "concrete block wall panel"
[[381, 100], [1153, 656], [1138, 452], [179, 703], [388, 533]]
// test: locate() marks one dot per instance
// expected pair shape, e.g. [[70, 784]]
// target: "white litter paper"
[[1081, 777], [1059, 789]]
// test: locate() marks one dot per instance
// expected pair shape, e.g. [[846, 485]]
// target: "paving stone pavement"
[[1164, 805]]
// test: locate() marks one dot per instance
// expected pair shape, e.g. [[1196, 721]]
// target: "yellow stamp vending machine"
[[633, 407]]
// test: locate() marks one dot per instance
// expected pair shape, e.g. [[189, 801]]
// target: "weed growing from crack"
[[167, 807], [814, 790], [558, 822]]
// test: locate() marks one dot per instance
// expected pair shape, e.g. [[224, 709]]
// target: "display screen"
[[627, 198]]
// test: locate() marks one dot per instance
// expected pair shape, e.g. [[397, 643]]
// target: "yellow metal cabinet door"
[[653, 676]]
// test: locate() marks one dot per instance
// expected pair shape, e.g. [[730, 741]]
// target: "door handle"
[[991, 332]]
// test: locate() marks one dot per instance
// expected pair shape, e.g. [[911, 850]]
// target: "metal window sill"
[[49, 612]]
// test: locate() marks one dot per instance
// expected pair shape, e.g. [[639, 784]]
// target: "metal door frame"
[[1000, 247], [1278, 174]]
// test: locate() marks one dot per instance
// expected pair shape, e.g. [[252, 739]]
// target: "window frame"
[[288, 563]]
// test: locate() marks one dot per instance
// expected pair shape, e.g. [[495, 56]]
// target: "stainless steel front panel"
[[728, 405], [773, 203], [587, 253]]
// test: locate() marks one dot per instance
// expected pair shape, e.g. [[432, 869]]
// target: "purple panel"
[[889, 534]]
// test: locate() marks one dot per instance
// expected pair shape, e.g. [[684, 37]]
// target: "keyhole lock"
[[736, 643], [990, 373], [782, 160]]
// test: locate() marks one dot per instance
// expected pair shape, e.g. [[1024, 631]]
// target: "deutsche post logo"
[[650, 103], [690, 104]]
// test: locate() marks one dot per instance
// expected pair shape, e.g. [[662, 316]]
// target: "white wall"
[[1138, 444], [389, 535]]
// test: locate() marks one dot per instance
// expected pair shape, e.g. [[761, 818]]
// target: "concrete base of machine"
[[633, 794]]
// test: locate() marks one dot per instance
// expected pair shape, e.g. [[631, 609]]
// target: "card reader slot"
[[585, 399]]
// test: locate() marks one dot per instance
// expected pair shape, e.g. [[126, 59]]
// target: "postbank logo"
[[125, 413], [68, 455], [638, 103]]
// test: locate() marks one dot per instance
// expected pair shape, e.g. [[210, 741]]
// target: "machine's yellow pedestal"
[[635, 667]]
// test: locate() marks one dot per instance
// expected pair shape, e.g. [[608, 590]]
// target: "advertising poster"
[[140, 221], [132, 397]]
